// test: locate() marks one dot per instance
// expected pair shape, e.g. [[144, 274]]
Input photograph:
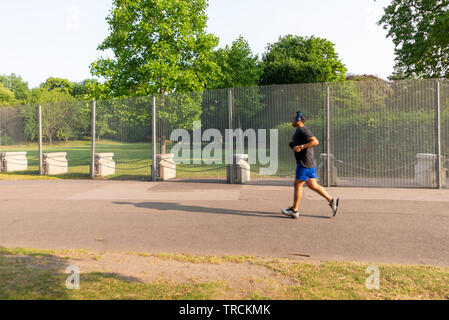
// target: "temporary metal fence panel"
[[255, 111], [187, 124], [268, 112], [377, 134], [66, 137], [14, 137], [444, 130], [64, 129], [383, 135], [123, 138]]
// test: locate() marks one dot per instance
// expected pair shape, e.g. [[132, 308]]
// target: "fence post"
[[328, 134], [438, 135], [92, 160], [39, 121], [153, 138], [230, 144]]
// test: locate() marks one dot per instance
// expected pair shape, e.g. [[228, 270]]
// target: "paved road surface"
[[373, 225]]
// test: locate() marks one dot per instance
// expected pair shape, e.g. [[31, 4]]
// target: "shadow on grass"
[[28, 274], [34, 175], [127, 177]]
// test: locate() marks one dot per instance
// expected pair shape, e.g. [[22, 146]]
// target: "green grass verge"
[[40, 274]]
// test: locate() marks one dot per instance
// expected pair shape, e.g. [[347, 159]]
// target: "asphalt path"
[[406, 226]]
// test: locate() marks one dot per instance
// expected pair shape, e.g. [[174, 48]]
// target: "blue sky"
[[59, 38]]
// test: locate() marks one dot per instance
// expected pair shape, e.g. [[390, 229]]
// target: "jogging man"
[[302, 144]]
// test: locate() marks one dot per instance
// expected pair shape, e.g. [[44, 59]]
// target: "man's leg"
[[333, 202], [297, 194], [313, 185], [292, 212]]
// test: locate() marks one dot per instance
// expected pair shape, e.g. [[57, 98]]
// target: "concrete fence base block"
[[426, 171], [241, 170], [13, 161], [166, 166], [55, 163], [104, 164]]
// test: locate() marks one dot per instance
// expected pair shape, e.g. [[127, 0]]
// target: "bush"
[[6, 140]]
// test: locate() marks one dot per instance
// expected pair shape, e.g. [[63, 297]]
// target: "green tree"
[[85, 90], [364, 77], [159, 46], [62, 116], [419, 30], [124, 119], [370, 92], [58, 84], [296, 59], [19, 87], [6, 96], [239, 66]]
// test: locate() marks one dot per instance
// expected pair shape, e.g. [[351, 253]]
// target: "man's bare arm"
[[313, 141]]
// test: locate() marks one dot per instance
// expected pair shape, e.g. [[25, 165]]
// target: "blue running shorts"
[[304, 174]]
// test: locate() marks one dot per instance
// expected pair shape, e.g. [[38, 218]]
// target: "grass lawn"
[[40, 274], [133, 161]]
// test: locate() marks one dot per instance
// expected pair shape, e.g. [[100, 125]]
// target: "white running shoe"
[[290, 213], [334, 206]]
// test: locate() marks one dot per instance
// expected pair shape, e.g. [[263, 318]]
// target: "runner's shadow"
[[312, 216], [170, 206]]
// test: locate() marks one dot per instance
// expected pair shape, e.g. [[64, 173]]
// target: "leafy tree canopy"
[[16, 84], [86, 89], [58, 84], [6, 96], [296, 59], [364, 77], [239, 66], [44, 95], [62, 115], [420, 32], [159, 46]]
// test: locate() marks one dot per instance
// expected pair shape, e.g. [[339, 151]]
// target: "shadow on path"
[[170, 206], [312, 216]]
